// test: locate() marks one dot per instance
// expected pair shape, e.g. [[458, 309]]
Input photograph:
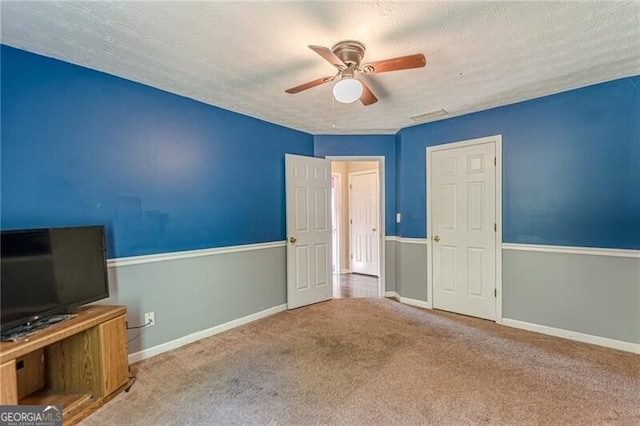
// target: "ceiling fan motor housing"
[[350, 52]]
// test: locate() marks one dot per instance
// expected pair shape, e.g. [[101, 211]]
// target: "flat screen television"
[[50, 271]]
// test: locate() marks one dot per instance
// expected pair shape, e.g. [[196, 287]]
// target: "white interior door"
[[335, 227], [363, 211], [463, 190], [308, 189]]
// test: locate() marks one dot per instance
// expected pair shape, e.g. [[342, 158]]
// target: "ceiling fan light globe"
[[347, 90]]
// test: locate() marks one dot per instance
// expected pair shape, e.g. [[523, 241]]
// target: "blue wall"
[[163, 173], [366, 145], [571, 166]]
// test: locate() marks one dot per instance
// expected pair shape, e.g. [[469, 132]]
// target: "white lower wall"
[[193, 337], [587, 296], [410, 258], [193, 292], [585, 291], [584, 294]]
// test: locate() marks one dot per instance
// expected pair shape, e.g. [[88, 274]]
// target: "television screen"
[[47, 271]]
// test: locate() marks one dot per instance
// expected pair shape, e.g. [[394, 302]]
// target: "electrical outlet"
[[150, 319]]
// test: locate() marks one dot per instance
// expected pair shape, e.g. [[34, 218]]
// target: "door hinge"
[[495, 292], [495, 227], [351, 256], [495, 161], [351, 221], [350, 186]]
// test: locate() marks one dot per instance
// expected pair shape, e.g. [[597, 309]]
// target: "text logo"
[[30, 415]]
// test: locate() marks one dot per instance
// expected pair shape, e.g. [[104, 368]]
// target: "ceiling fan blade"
[[329, 56], [395, 64], [310, 84], [367, 97]]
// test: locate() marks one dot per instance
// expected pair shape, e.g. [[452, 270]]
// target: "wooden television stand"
[[80, 363]]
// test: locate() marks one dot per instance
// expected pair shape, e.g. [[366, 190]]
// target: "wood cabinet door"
[[30, 373], [115, 364], [8, 383]]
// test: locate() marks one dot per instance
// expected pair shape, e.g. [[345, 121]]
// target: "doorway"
[[358, 226]]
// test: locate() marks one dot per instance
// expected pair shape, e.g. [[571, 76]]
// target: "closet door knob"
[[436, 238], [292, 240]]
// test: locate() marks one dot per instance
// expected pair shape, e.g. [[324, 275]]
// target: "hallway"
[[354, 285]]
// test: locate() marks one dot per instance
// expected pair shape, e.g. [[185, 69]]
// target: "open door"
[[308, 192]]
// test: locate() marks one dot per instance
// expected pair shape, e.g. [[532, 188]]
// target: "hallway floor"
[[354, 285]]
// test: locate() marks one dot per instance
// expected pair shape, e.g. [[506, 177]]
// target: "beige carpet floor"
[[378, 362]]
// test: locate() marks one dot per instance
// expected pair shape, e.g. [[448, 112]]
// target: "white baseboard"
[[574, 335], [415, 302], [174, 344], [345, 271], [407, 301]]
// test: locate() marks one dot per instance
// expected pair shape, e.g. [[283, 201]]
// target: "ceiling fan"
[[346, 56]]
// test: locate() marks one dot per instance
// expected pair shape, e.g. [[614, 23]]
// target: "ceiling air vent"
[[428, 115]]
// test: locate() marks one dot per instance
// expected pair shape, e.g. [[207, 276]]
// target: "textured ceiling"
[[242, 56]]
